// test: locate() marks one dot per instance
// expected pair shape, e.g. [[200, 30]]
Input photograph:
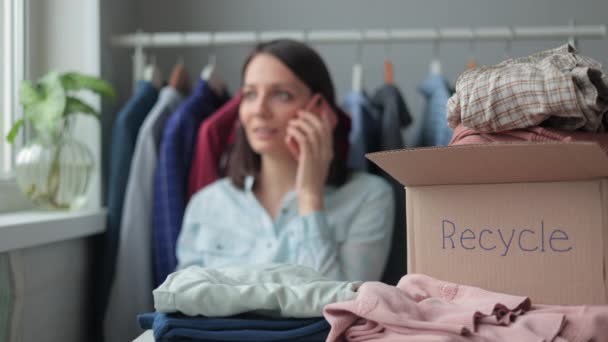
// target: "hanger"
[[572, 39], [180, 80], [357, 76], [435, 65], [153, 74], [209, 73], [472, 61], [388, 65], [509, 43]]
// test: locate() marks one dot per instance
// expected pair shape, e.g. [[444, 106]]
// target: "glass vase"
[[55, 173]]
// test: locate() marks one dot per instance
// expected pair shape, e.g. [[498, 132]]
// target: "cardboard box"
[[522, 218]]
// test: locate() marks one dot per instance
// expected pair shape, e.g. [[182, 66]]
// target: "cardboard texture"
[[523, 218]]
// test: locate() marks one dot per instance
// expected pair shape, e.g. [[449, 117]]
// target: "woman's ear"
[[327, 111], [319, 105], [314, 104]]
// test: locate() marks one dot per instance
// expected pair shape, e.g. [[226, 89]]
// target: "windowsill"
[[32, 228], [11, 199]]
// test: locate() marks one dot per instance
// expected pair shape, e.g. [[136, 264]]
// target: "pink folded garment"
[[467, 136], [421, 308]]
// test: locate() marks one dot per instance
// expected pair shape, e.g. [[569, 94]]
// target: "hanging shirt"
[[131, 292], [365, 129], [212, 143], [394, 115], [435, 129], [349, 240], [171, 175], [124, 136]]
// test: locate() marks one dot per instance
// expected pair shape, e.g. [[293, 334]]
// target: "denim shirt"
[[348, 240], [435, 129]]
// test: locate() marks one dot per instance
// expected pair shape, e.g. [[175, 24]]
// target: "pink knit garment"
[[467, 136], [421, 308]]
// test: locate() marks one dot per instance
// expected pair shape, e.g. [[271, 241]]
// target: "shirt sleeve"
[[363, 253]]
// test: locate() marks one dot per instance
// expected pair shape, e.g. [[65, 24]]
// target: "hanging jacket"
[[124, 135], [365, 129], [394, 116], [213, 142], [171, 175], [131, 292]]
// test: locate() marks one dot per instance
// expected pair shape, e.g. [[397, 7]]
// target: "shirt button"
[[269, 245], [218, 246]]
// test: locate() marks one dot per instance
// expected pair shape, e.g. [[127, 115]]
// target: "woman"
[[289, 197]]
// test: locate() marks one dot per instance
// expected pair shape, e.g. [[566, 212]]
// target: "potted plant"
[[52, 168]]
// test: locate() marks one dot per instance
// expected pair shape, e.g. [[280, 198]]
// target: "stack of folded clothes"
[[275, 302], [554, 95]]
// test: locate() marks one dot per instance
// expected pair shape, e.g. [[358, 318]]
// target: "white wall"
[[64, 36], [410, 59]]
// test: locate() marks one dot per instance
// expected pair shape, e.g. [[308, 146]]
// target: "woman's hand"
[[314, 136]]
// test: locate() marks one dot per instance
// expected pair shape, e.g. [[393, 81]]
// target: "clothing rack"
[[140, 40]]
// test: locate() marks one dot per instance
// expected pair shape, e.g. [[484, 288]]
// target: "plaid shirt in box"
[[555, 87]]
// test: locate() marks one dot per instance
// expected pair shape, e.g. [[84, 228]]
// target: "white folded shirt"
[[274, 290]]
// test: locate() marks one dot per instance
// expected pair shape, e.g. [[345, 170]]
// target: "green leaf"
[[74, 105], [46, 114], [10, 137], [47, 102], [77, 81], [28, 94]]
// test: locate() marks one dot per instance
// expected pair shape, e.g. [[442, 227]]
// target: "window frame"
[[13, 64], [34, 28], [13, 45]]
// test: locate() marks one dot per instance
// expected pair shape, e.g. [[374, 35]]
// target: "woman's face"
[[271, 96]]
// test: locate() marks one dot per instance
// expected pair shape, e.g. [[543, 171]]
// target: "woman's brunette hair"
[[308, 66]]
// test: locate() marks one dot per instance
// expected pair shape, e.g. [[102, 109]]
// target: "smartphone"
[[318, 105]]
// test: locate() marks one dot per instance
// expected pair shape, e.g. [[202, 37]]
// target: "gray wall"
[[49, 292], [410, 59], [116, 17]]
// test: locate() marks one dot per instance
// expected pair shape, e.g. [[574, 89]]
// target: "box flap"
[[494, 163]]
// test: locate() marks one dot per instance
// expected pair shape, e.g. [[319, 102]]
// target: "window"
[[3, 150], [12, 71]]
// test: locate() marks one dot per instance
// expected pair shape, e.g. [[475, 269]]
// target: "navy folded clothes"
[[178, 327]]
